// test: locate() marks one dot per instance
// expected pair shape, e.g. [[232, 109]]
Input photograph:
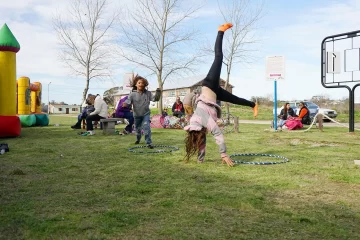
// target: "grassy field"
[[56, 184], [266, 113]]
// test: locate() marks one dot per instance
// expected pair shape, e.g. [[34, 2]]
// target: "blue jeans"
[[78, 123], [143, 123], [280, 122], [130, 118]]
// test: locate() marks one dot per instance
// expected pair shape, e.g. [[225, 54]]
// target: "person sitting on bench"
[[101, 112], [125, 112], [85, 112]]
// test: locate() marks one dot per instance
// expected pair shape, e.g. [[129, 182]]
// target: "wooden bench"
[[108, 125]]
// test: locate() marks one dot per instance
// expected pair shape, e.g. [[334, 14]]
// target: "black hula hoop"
[[171, 149], [285, 160]]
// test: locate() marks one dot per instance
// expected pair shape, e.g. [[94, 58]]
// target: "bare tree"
[[84, 36], [155, 36], [241, 42]]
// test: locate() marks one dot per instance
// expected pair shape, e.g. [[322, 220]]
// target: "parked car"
[[328, 112], [313, 108]]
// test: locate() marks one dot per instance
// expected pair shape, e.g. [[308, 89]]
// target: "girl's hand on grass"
[[228, 161]]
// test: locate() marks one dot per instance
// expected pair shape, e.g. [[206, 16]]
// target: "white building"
[[64, 109]]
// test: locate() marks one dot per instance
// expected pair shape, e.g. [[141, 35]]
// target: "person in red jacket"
[[178, 108], [304, 114]]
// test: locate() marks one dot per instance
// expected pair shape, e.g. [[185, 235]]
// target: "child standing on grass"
[[207, 111], [140, 99]]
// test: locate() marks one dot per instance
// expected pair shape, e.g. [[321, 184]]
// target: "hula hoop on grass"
[[285, 160], [171, 149]]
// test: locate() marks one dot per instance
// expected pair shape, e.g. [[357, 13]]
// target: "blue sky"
[[294, 29]]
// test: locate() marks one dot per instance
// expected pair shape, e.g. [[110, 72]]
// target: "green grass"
[[266, 113], [99, 190]]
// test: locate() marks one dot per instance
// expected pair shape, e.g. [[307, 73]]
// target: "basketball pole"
[[275, 105]]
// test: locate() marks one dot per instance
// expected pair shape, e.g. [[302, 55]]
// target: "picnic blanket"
[[292, 123], [172, 122]]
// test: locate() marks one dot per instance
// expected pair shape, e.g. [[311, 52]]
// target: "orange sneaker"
[[224, 27], [256, 109]]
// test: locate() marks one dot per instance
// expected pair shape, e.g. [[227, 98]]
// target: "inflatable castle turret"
[[29, 103], [10, 125]]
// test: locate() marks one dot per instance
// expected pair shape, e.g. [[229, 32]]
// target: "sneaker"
[[88, 133], [4, 146], [256, 109], [137, 142], [118, 132], [150, 146], [75, 127]]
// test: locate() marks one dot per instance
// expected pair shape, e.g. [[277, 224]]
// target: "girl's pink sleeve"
[[219, 137]]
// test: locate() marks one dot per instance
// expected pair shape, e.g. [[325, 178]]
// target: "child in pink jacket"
[[207, 111]]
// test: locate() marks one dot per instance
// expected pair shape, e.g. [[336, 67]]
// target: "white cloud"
[[299, 42], [302, 81], [31, 23]]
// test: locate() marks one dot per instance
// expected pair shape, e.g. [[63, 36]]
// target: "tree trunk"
[[236, 124], [160, 103], [226, 85], [86, 89]]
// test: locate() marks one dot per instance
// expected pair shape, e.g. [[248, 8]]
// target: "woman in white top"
[[101, 112]]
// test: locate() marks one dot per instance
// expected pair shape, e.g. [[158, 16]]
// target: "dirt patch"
[[295, 141], [276, 142], [320, 144], [327, 192], [17, 171], [314, 144]]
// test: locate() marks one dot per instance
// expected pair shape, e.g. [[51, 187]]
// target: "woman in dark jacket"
[[286, 112], [85, 112]]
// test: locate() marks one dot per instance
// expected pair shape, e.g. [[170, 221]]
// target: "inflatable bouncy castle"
[[29, 103], [20, 101], [9, 123]]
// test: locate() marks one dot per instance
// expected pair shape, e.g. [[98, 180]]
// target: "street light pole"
[[49, 97]]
